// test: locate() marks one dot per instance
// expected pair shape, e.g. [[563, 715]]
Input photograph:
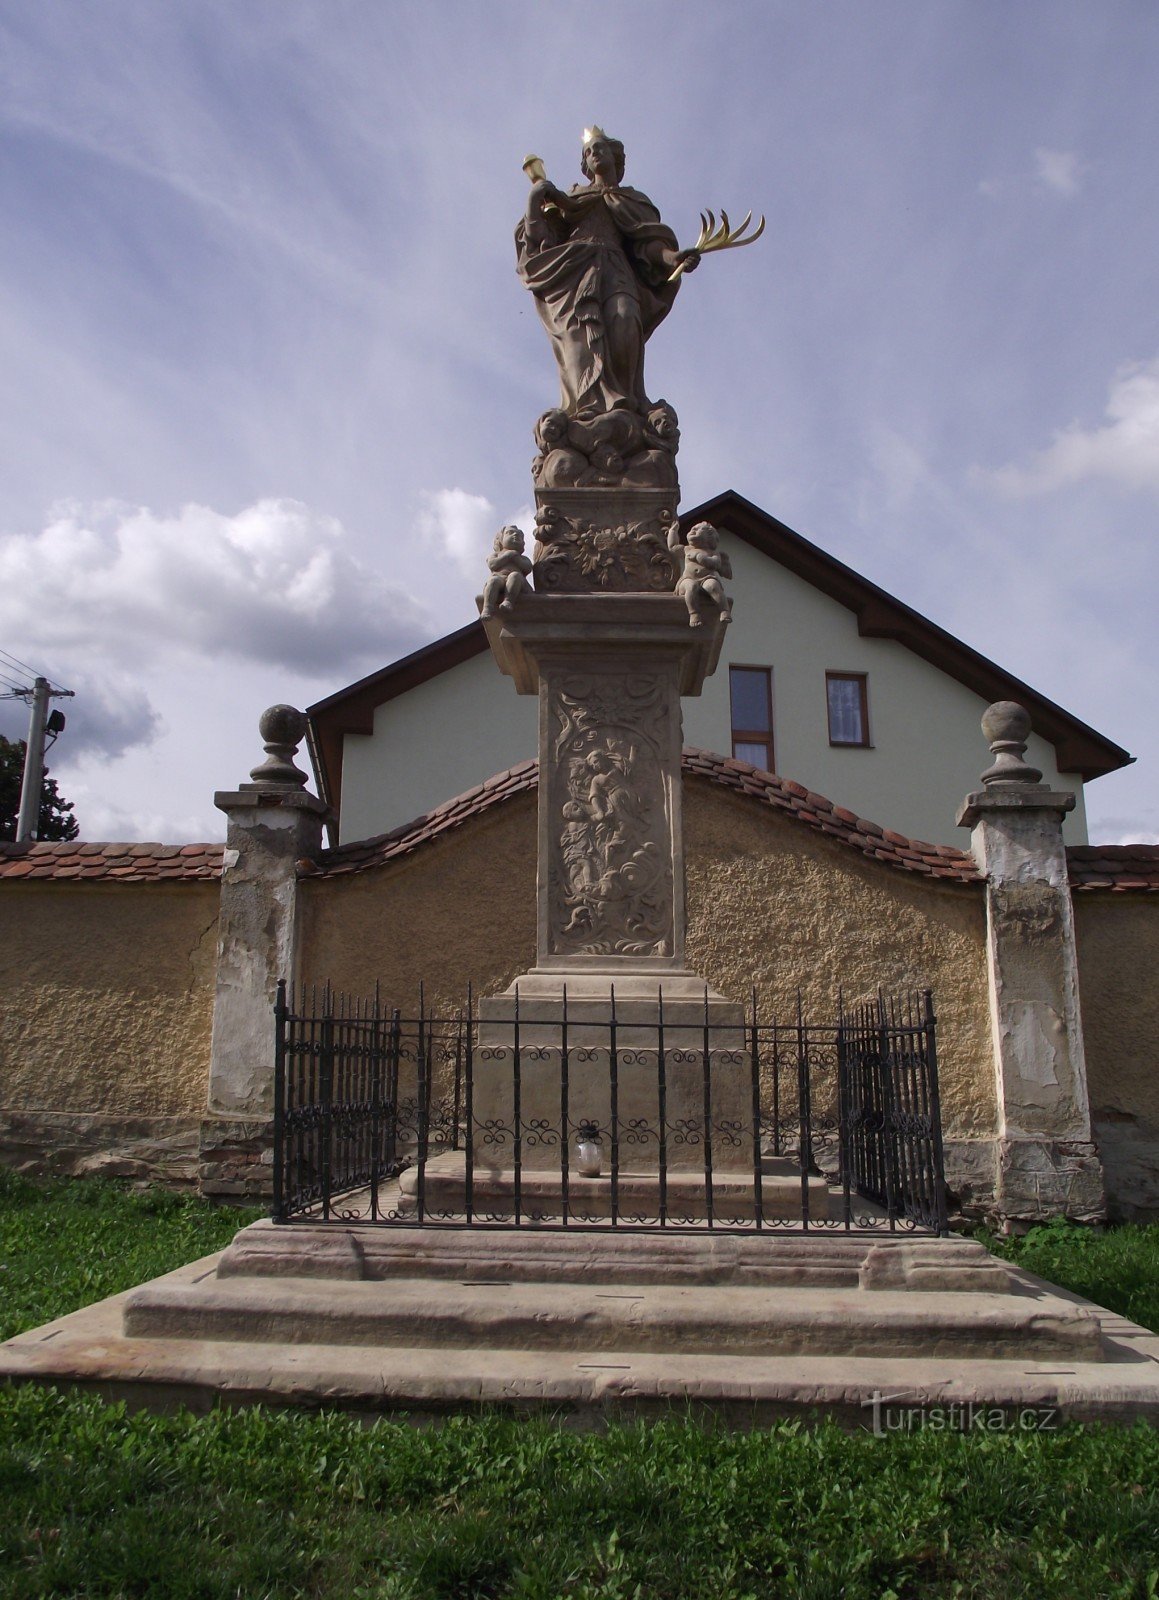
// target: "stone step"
[[89, 1349], [499, 1315], [826, 1258]]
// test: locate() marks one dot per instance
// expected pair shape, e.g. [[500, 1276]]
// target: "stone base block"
[[590, 1199], [1039, 1179], [589, 1100], [565, 1318], [645, 997], [737, 1328], [75, 1144], [822, 1260], [236, 1159]]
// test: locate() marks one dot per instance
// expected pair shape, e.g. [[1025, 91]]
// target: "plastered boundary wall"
[[106, 988], [1118, 951], [106, 1005], [771, 903]]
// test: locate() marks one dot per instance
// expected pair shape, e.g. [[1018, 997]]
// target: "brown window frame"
[[753, 735], [862, 679]]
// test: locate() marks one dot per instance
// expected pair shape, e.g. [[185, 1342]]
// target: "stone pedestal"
[[1047, 1162], [609, 671]]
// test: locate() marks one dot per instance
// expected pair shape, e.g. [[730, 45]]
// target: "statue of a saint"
[[601, 266]]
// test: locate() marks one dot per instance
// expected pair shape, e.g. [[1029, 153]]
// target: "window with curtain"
[[847, 696]]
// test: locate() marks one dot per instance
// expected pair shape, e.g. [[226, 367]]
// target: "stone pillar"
[[609, 671], [1047, 1164], [273, 824]]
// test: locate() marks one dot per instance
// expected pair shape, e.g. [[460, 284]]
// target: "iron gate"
[[793, 1125]]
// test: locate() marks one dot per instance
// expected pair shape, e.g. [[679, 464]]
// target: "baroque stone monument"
[[624, 616]]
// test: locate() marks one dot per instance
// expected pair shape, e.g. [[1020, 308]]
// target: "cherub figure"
[[704, 568], [558, 464], [509, 568]]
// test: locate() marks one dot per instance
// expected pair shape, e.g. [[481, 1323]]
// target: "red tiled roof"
[[116, 863], [1114, 866], [881, 844], [1123, 867], [363, 853]]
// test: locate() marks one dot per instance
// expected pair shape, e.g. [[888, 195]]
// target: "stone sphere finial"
[[282, 729], [1006, 726]]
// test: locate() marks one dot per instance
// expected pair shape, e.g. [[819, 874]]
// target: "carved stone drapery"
[[610, 869]]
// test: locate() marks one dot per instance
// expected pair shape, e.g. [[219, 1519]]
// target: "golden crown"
[[591, 134]]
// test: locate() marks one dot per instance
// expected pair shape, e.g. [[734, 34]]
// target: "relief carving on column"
[[610, 876]]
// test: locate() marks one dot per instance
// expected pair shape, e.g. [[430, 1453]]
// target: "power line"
[[23, 667], [15, 661]]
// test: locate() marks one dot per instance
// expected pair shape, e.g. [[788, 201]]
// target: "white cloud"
[[459, 525], [273, 584], [1125, 451], [1061, 171]]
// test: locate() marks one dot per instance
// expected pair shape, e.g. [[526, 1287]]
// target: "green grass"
[[1118, 1268], [95, 1501], [260, 1503], [66, 1243]]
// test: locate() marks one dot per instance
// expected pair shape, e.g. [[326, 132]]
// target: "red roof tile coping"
[[1125, 868], [116, 863], [1120, 867], [813, 810]]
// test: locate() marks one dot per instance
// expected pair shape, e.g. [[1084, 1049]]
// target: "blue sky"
[[269, 376]]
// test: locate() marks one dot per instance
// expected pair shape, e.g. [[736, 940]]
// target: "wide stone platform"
[[744, 1326]]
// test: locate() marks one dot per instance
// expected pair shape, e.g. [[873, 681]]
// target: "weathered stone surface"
[[1039, 1178], [971, 1167], [533, 1255], [270, 829], [73, 1144], [935, 1266], [720, 1320], [235, 1158], [541, 1332], [1047, 1162]]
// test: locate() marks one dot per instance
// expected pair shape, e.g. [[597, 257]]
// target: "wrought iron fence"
[[615, 1122]]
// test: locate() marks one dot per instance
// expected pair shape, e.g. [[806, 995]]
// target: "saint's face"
[[600, 160]]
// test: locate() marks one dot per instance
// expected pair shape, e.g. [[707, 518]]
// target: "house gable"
[[403, 739]]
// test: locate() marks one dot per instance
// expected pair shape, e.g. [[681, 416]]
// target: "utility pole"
[[33, 781], [33, 763]]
